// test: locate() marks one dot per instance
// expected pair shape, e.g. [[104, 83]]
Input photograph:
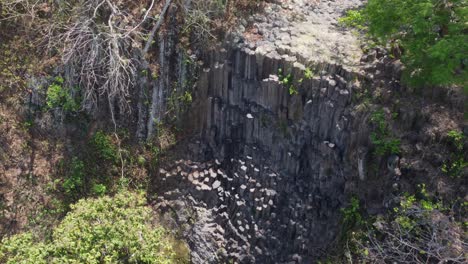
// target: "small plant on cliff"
[[99, 189], [59, 97], [308, 73], [287, 81], [456, 162], [352, 226], [353, 18], [75, 180], [381, 137], [103, 146], [352, 217]]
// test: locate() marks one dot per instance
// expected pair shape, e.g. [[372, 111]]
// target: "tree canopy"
[[430, 33], [104, 230]]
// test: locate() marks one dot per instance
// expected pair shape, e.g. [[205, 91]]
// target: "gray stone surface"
[[306, 31], [277, 163]]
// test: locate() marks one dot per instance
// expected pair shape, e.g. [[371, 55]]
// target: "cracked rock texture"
[[306, 31], [280, 114], [273, 159]]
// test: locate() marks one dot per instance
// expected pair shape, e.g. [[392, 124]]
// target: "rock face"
[[275, 131]]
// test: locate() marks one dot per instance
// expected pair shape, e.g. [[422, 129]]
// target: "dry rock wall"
[[277, 144], [282, 160]]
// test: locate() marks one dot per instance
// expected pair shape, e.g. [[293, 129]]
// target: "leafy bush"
[[431, 35], [419, 231], [287, 81], [352, 215], [58, 96], [104, 230], [99, 189], [75, 180], [23, 248], [456, 162], [103, 146], [381, 137], [353, 18], [308, 74], [178, 102]]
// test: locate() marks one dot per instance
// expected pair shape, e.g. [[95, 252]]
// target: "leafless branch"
[[434, 238], [156, 27]]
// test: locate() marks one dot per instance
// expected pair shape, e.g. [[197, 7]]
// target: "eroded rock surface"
[[281, 113], [305, 31], [273, 161]]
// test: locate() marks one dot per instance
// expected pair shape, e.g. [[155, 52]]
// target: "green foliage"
[[178, 102], [103, 146], [287, 81], [99, 189], [75, 181], [381, 137], [403, 214], [385, 146], [457, 161], [141, 160], [353, 18], [186, 98], [104, 230], [431, 34], [58, 96], [417, 230], [352, 217], [308, 74], [23, 249], [155, 152], [352, 223], [456, 138]]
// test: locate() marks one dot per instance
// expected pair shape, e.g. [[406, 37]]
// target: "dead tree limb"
[[156, 27]]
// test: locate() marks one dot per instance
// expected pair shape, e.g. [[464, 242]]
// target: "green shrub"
[[308, 74], [418, 230], [178, 103], [103, 146], [287, 81], [73, 184], [24, 249], [384, 146], [104, 230], [99, 189], [352, 217], [352, 223], [353, 18], [59, 97], [141, 161], [381, 137], [186, 98], [430, 34], [456, 138], [456, 161]]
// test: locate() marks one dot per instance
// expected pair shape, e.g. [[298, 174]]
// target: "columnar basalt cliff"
[[276, 144], [283, 139], [250, 146]]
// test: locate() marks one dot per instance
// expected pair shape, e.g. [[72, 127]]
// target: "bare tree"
[[98, 45], [96, 39], [417, 235]]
